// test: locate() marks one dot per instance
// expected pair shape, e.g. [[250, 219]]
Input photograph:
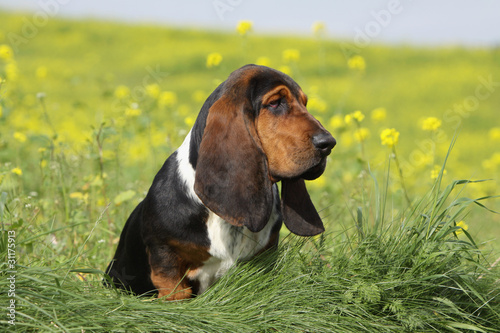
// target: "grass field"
[[90, 110]]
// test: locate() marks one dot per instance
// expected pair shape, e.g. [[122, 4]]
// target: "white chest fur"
[[228, 243]]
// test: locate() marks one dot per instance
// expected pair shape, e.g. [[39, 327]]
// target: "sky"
[[417, 22]]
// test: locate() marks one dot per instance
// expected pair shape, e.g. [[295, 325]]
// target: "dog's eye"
[[275, 104]]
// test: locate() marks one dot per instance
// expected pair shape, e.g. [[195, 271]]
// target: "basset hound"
[[215, 200]]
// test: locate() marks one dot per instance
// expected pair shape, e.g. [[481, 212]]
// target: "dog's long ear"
[[231, 173], [300, 215]]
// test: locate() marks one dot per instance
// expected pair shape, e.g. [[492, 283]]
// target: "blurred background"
[[424, 22], [95, 95]]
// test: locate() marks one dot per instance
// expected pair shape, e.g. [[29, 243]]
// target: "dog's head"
[[257, 132]]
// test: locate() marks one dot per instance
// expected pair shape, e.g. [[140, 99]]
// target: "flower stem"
[[401, 178]]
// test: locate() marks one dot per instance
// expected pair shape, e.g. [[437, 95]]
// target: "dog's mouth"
[[311, 173], [315, 171]]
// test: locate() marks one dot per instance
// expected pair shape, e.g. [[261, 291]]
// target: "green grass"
[[383, 264], [410, 273]]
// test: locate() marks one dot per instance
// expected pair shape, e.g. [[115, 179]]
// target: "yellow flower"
[[356, 62], [494, 134], [214, 59], [286, 70], [336, 122], [348, 119], [379, 114], [133, 111], [189, 121], [316, 104], [122, 92], [389, 137], [1, 111], [492, 163], [244, 27], [263, 61], [435, 172], [153, 90], [463, 226], [167, 98], [431, 124], [11, 71], [79, 196], [358, 116], [361, 134], [291, 55], [21, 137], [318, 183], [17, 171], [6, 52], [41, 72], [318, 28]]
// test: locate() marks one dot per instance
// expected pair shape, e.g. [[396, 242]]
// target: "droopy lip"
[[315, 171]]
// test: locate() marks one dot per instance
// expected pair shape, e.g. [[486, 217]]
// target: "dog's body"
[[215, 200]]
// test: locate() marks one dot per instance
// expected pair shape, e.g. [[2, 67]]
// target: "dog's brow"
[[275, 91]]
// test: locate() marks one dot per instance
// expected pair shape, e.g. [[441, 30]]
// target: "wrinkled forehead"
[[257, 81]]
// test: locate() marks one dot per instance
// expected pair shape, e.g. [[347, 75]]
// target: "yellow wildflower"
[[133, 111], [316, 104], [167, 98], [436, 171], [6, 52], [379, 114], [153, 90], [291, 55], [41, 72], [361, 134], [336, 122], [494, 134], [263, 61], [318, 28], [79, 196], [317, 183], [21, 137], [17, 171], [463, 226], [348, 119], [122, 92], [389, 137], [492, 163], [11, 71], [431, 124], [358, 116], [1, 111], [189, 121], [244, 27], [286, 70], [214, 59], [356, 62]]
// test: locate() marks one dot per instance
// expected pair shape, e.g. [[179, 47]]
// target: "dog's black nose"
[[324, 142]]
